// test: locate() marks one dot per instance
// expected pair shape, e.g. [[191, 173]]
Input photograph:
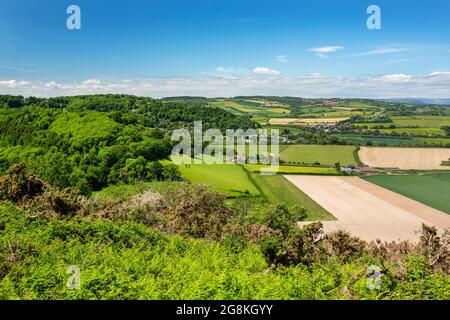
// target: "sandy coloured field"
[[367, 210], [405, 158], [305, 121]]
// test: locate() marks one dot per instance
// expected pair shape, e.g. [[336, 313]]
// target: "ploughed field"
[[405, 158], [367, 210]]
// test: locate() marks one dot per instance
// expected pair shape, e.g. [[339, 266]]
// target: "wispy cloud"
[[282, 58], [227, 72], [381, 51], [396, 61], [433, 85], [323, 51]]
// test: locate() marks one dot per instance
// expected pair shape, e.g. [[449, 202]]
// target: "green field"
[[422, 121], [235, 179], [227, 178], [431, 189], [243, 108], [442, 141], [326, 155], [412, 125], [378, 140], [415, 131], [291, 169], [279, 190]]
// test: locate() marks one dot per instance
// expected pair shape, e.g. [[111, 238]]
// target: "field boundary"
[[356, 156]]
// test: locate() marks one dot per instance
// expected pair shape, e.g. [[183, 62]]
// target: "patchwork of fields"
[[413, 125]]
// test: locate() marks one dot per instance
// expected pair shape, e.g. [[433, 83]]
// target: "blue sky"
[[170, 47]]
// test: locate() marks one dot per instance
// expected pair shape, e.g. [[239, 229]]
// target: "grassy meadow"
[[325, 155], [227, 178]]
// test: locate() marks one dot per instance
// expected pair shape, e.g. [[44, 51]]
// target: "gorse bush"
[[127, 260]]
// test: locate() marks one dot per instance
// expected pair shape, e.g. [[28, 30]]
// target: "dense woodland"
[[90, 142]]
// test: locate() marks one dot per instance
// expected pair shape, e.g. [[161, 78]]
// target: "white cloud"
[[8, 83], [433, 85], [329, 49], [439, 73], [322, 52], [266, 71], [396, 77]]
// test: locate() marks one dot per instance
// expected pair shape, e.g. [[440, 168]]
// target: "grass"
[[258, 168], [326, 155], [378, 140], [431, 189], [279, 190], [236, 107], [415, 131], [413, 125], [422, 121], [227, 178], [442, 141]]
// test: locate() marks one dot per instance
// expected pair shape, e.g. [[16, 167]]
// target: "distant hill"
[[419, 100]]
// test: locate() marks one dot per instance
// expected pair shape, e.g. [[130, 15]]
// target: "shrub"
[[302, 245], [18, 186], [341, 244], [200, 212]]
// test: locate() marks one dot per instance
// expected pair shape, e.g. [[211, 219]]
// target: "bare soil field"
[[305, 121], [368, 211], [405, 158]]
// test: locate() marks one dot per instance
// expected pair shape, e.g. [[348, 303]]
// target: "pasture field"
[[228, 104], [242, 108], [343, 108], [416, 131], [257, 168], [405, 158], [305, 121], [422, 121], [413, 125], [227, 178], [362, 139], [279, 190], [324, 154], [339, 114], [442, 141], [431, 189], [368, 211]]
